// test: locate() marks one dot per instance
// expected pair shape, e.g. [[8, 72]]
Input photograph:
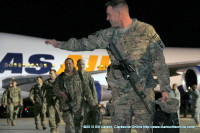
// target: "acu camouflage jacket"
[[139, 44]]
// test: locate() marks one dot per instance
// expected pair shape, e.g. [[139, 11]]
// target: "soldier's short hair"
[[194, 86], [14, 80], [53, 70], [70, 59], [174, 85], [39, 77], [115, 3], [79, 60]]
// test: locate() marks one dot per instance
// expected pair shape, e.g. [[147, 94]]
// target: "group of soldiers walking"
[[69, 96]]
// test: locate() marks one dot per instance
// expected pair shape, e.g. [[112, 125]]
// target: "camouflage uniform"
[[5, 105], [143, 49], [176, 94], [89, 99], [197, 106], [14, 99], [72, 85], [37, 97], [52, 105], [4, 98]]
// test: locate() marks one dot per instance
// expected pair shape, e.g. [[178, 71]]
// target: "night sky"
[[176, 21]]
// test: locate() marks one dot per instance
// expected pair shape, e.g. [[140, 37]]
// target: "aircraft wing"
[[178, 68], [24, 82]]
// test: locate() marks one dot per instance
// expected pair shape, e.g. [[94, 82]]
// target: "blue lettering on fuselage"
[[13, 62], [16, 57], [36, 59]]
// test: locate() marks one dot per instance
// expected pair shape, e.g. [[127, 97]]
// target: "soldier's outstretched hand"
[[53, 42]]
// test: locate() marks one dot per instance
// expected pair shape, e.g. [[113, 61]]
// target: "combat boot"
[[13, 123], [9, 122], [37, 127], [57, 130], [44, 128], [53, 130], [198, 125]]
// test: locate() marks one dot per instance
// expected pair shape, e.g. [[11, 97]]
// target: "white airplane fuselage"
[[29, 56]]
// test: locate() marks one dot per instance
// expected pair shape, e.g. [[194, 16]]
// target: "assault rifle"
[[129, 73], [65, 105]]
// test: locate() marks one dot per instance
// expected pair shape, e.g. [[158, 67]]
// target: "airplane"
[[24, 58]]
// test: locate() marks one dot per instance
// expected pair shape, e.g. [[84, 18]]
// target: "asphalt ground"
[[27, 125]]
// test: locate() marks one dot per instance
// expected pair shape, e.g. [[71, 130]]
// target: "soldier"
[[136, 53], [190, 98], [67, 88], [88, 101], [194, 99], [4, 99], [174, 93], [52, 102], [14, 100], [187, 102], [197, 105], [4, 103], [37, 98]]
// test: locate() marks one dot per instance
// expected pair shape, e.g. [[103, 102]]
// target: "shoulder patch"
[[157, 39]]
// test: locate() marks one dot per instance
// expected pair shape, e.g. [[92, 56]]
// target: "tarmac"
[[27, 125]]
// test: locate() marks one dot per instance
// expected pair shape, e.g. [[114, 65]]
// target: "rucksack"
[[162, 118]]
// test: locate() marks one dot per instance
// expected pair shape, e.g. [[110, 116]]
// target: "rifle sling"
[[113, 49]]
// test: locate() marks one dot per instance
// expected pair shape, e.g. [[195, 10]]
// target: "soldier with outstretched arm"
[[140, 48]]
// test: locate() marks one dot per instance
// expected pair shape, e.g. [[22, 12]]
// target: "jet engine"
[[191, 77]]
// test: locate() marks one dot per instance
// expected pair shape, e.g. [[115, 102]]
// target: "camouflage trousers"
[[68, 118], [54, 115], [127, 103], [40, 113], [197, 115], [78, 118], [12, 112]]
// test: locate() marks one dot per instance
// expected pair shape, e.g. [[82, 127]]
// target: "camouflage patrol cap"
[[170, 105]]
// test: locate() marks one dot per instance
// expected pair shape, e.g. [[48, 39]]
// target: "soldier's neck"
[[126, 23], [40, 84], [53, 78], [70, 73], [82, 71]]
